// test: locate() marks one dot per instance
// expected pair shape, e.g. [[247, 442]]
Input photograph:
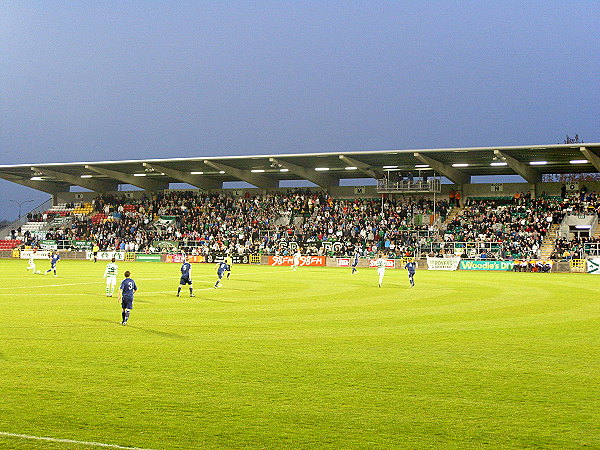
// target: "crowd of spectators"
[[199, 223], [578, 247]]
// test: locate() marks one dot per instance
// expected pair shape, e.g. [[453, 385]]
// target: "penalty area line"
[[68, 441]]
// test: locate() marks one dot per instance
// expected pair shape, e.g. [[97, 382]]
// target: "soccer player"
[[126, 291], [222, 267], [296, 260], [411, 266], [54, 258], [110, 273], [186, 277], [380, 264], [355, 262], [229, 263], [32, 261]]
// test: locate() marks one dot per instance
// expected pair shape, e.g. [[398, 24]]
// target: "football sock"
[[126, 315], [123, 316], [228, 273], [191, 291], [179, 290]]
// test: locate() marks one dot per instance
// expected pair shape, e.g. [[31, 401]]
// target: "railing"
[[4, 232], [424, 186]]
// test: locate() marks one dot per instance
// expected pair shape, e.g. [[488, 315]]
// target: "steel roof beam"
[[522, 169], [255, 179], [200, 181], [320, 179], [141, 182], [362, 167], [93, 185], [454, 175], [591, 157], [49, 187]]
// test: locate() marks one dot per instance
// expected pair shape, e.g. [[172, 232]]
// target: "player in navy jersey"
[[222, 267], [355, 262], [126, 291], [186, 277], [53, 262], [411, 266], [229, 263]]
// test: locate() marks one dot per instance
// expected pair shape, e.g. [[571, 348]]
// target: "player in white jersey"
[[380, 264], [110, 273], [32, 262], [296, 259]]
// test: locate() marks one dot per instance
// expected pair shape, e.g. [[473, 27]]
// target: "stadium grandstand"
[[409, 203]]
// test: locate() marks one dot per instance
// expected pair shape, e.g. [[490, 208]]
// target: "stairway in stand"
[[456, 211], [549, 241]]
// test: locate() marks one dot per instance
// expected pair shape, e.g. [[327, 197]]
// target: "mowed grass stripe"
[[315, 357]]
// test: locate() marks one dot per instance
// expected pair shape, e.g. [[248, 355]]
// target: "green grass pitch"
[[312, 358]]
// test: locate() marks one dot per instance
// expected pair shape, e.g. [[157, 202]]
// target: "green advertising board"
[[486, 265], [148, 257]]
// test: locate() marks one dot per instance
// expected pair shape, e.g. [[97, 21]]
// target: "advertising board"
[[106, 256], [486, 265], [593, 266], [442, 263], [389, 263], [304, 260]]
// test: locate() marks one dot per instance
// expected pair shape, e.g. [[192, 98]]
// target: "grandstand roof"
[[323, 169]]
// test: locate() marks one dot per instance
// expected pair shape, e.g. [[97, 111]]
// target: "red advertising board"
[[178, 258], [343, 262], [289, 260]]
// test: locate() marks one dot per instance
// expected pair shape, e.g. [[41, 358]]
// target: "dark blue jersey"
[[223, 267], [411, 267], [54, 259], [355, 260], [128, 287], [186, 268]]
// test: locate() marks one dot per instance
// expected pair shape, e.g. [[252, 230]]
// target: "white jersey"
[[112, 270], [380, 264]]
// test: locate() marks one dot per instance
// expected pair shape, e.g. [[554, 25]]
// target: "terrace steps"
[[549, 241]]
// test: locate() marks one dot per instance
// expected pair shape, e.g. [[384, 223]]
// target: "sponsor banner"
[[486, 265], [106, 256], [147, 257], [442, 263], [80, 244], [178, 258], [235, 259], [389, 263], [174, 258], [343, 262], [25, 254], [289, 260], [166, 244], [593, 266], [49, 245]]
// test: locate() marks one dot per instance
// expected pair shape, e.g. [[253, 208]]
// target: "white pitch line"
[[68, 441]]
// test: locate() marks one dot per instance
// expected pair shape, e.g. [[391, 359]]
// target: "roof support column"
[[525, 171], [200, 181], [454, 175], [141, 182], [257, 180], [320, 179], [591, 157], [93, 185]]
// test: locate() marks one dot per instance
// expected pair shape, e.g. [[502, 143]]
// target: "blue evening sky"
[[100, 80]]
